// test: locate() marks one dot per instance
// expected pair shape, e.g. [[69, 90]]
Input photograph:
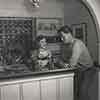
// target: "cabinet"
[[55, 87]]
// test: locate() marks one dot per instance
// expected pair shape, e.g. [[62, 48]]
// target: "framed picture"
[[80, 31], [48, 26]]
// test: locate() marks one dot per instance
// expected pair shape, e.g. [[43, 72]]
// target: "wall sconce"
[[35, 3]]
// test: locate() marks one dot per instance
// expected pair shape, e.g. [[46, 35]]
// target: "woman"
[[42, 56]]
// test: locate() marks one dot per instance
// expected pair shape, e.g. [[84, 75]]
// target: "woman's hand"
[[66, 65], [42, 63]]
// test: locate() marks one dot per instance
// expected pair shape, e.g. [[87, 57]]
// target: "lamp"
[[35, 3]]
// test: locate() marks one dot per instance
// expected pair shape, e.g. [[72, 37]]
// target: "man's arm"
[[76, 52]]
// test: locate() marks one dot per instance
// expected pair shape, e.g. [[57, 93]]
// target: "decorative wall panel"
[[15, 39]]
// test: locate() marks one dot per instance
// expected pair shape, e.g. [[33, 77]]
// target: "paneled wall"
[[57, 87]]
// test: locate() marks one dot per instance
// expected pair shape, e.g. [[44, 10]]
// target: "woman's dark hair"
[[37, 40], [66, 29], [40, 37]]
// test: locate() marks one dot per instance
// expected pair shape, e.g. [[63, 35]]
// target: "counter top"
[[12, 75], [36, 77]]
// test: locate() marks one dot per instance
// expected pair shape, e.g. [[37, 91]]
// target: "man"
[[75, 53]]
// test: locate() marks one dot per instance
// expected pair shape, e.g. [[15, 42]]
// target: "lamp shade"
[[35, 3]]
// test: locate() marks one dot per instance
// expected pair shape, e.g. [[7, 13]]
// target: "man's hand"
[[63, 64], [66, 65]]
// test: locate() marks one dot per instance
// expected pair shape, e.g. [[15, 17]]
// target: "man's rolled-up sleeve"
[[76, 52]]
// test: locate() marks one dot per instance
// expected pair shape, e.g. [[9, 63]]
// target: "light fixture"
[[35, 3]]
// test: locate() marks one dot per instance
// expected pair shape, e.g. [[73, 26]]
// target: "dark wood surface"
[[23, 74]]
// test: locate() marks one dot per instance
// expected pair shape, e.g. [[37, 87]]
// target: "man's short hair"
[[66, 29]]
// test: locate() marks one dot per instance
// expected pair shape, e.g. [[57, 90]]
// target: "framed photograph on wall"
[[48, 26], [80, 31]]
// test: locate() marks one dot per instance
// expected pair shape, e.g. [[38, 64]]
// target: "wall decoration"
[[15, 39], [80, 31], [48, 26], [35, 3]]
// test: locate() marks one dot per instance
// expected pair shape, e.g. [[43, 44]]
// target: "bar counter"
[[21, 74], [48, 85]]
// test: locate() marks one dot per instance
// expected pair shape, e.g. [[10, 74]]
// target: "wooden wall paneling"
[[66, 88], [48, 90], [0, 93], [31, 91], [10, 92]]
